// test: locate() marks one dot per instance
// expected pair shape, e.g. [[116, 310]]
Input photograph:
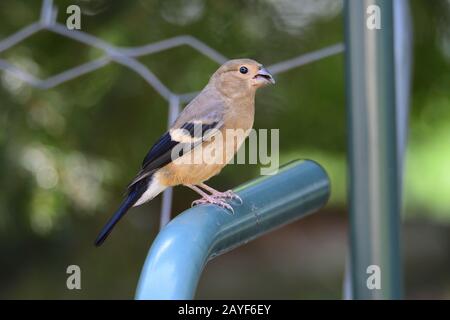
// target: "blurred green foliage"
[[66, 154]]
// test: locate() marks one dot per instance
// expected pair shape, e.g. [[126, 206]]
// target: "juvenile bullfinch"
[[227, 103]]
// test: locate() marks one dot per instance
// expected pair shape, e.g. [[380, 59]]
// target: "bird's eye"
[[243, 70]]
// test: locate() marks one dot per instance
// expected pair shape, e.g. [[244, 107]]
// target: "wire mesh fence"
[[127, 57]]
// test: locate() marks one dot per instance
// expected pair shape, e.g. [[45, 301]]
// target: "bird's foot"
[[213, 200], [229, 194]]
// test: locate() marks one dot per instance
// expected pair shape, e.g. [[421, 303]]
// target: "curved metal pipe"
[[182, 248]]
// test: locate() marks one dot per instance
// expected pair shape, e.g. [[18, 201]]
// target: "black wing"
[[160, 153]]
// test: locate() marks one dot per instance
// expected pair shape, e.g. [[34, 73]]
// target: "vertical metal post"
[[372, 150], [166, 206], [403, 36]]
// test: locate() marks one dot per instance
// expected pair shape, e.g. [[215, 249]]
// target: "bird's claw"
[[214, 200], [229, 194]]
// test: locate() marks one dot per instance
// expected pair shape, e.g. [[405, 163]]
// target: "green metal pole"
[[372, 151], [183, 247]]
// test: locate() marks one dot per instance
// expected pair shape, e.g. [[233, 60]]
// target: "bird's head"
[[241, 76]]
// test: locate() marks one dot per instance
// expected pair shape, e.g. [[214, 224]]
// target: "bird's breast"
[[204, 161], [208, 158]]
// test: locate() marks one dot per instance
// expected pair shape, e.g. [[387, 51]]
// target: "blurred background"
[[67, 153]]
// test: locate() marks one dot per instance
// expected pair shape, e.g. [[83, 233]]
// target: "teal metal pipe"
[[372, 151], [183, 247]]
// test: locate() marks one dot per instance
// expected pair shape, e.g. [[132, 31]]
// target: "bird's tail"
[[133, 196]]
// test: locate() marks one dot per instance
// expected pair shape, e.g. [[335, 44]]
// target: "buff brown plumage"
[[226, 103]]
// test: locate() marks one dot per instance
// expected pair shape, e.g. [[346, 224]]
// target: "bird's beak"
[[264, 74]]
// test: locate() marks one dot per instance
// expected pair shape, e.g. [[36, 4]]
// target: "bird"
[[196, 146]]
